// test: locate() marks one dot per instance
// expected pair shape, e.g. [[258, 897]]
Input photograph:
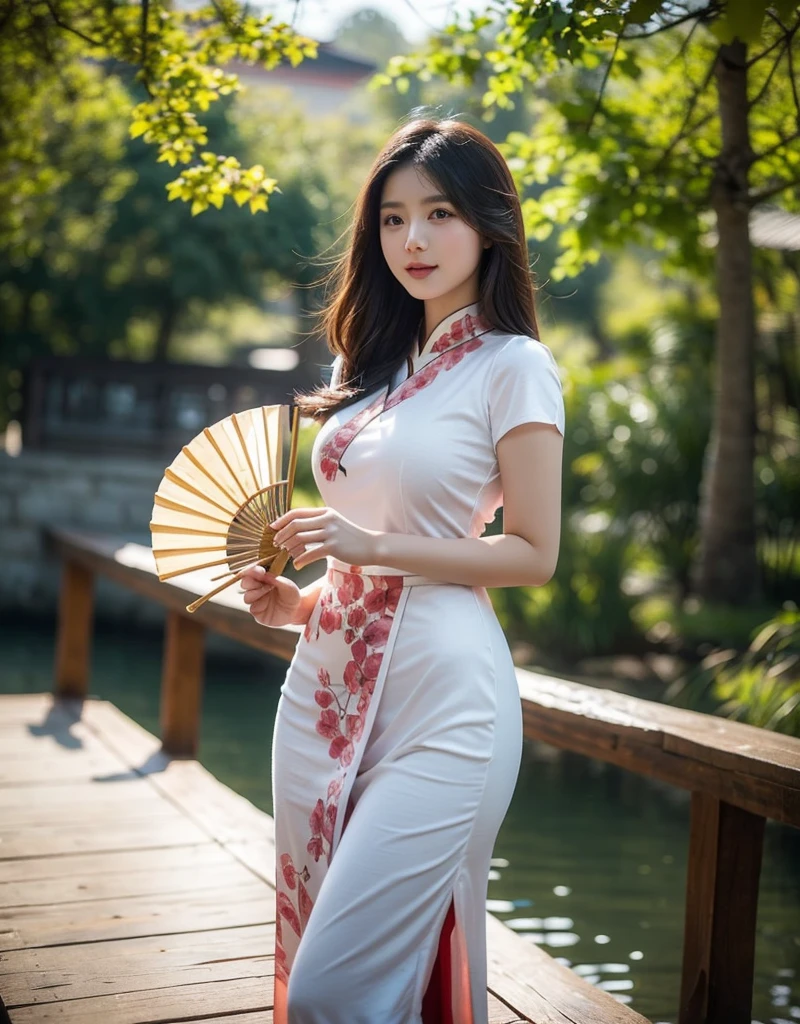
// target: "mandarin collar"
[[457, 326]]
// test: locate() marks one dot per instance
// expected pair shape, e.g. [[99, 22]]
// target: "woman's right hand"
[[272, 600]]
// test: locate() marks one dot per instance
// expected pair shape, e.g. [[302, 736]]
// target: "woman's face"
[[421, 229]]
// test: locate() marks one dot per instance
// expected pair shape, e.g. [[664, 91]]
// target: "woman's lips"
[[420, 271]]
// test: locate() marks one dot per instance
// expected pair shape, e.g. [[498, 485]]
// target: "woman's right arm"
[[276, 600], [308, 598]]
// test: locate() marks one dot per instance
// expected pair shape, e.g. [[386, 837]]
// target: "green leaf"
[[785, 8], [746, 18], [722, 29], [643, 10]]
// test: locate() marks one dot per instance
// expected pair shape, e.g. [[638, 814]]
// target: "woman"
[[398, 734]]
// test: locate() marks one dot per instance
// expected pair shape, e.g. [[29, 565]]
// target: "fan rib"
[[270, 468], [174, 552], [194, 568], [172, 476], [292, 456], [240, 435], [222, 534], [225, 462], [164, 528], [173, 506], [217, 483], [239, 533]]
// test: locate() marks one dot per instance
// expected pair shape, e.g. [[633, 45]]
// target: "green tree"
[[669, 123], [142, 258], [58, 58], [369, 34]]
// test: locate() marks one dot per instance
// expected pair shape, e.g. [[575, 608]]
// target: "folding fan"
[[217, 498]]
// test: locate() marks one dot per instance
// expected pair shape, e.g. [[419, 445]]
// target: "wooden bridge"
[[136, 888]]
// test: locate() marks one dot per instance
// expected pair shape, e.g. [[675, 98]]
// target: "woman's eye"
[[445, 212], [391, 219]]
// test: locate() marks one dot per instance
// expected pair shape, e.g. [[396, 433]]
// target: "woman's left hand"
[[329, 531]]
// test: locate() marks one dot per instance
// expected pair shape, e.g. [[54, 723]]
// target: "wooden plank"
[[182, 684], [640, 750], [543, 990], [148, 982], [499, 1013], [174, 1003], [179, 879], [721, 908], [74, 636], [77, 867], [132, 566], [38, 710], [79, 766], [98, 920], [259, 1017], [21, 806], [258, 855], [608, 715], [101, 836], [116, 895], [58, 973], [224, 815]]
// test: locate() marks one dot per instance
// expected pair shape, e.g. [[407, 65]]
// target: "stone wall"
[[107, 494]]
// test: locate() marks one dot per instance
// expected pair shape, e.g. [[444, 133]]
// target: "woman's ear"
[[487, 244]]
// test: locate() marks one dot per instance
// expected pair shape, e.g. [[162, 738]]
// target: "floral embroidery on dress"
[[450, 349], [365, 607], [362, 607], [296, 917], [334, 447]]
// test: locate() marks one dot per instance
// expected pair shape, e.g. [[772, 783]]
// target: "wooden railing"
[[115, 406], [739, 775]]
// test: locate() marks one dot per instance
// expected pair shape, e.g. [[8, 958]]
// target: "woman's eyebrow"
[[390, 204]]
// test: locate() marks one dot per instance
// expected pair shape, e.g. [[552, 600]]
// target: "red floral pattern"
[[450, 349], [362, 607], [295, 916]]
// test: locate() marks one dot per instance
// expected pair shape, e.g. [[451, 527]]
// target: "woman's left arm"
[[529, 457], [526, 553]]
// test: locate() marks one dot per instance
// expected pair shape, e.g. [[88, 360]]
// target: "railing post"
[[74, 638], [725, 849], [182, 685]]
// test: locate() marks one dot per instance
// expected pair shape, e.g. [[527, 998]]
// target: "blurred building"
[[321, 86]]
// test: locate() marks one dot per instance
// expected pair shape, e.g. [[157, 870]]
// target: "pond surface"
[[590, 861]]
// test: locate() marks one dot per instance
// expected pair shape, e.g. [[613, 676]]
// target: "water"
[[590, 861]]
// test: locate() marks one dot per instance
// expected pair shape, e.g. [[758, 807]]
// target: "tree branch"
[[702, 15], [768, 193], [761, 92], [602, 88], [69, 28], [785, 140], [777, 20], [145, 10], [793, 79], [682, 131], [685, 44]]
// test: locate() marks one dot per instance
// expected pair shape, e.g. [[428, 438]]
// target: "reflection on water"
[[590, 862], [591, 865]]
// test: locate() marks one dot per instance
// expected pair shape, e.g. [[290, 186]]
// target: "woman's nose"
[[415, 239]]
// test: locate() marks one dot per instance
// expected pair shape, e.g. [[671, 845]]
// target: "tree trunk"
[[169, 317], [727, 567]]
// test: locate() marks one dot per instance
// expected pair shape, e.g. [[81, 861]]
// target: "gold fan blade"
[[277, 567], [221, 492]]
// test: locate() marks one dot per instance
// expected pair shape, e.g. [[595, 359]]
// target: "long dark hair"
[[372, 320]]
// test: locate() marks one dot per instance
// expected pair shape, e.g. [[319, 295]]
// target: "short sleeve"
[[524, 387]]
